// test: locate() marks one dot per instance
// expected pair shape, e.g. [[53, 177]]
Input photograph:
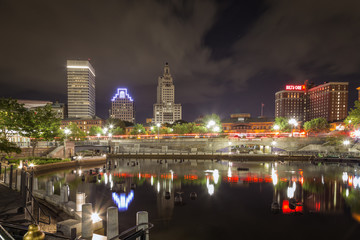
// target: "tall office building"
[[123, 106], [81, 89], [306, 102], [165, 110]]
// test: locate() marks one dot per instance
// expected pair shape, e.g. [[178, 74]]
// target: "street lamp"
[[158, 126], [294, 123], [67, 132], [276, 127], [111, 126], [210, 123], [105, 130], [346, 142]]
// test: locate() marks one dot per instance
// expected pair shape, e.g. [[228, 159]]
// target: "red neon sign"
[[295, 87]]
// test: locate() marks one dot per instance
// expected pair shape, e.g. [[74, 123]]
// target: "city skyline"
[[224, 55]]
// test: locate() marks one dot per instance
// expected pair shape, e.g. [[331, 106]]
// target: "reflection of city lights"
[[229, 172], [216, 176], [210, 187], [80, 172], [152, 180], [106, 178], [122, 201], [347, 192], [158, 186], [139, 176], [356, 182], [274, 176], [172, 175], [345, 176], [291, 190], [322, 179]]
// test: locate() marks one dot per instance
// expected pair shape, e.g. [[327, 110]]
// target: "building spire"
[[166, 69]]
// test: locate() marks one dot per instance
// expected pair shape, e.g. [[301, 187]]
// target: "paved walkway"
[[9, 199]]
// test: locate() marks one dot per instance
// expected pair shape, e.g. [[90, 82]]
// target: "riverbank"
[[86, 161]]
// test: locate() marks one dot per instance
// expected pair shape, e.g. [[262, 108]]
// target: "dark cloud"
[[225, 56]]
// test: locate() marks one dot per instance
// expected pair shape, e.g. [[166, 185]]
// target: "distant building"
[[244, 123], [83, 123], [306, 102], [32, 104], [358, 93], [60, 110], [165, 109], [123, 106], [80, 89]]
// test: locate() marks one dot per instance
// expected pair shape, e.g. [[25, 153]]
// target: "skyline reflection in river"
[[214, 200]]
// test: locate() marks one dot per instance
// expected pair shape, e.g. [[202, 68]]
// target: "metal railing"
[[134, 232], [34, 204]]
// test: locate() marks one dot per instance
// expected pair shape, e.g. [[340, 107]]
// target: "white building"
[[123, 106], [81, 89], [165, 110]]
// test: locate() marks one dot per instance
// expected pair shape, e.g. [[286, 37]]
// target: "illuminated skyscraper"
[[123, 106], [81, 89], [165, 110]]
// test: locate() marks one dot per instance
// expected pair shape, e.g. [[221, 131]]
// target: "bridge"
[[197, 145]]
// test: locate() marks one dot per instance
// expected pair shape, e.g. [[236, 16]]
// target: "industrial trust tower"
[[165, 109]]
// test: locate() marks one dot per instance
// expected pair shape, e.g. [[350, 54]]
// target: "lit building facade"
[[244, 123], [83, 123], [329, 100], [123, 106], [165, 109], [305, 102], [290, 103], [80, 89]]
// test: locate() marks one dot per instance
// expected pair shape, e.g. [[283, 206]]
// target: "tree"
[[8, 147], [138, 129], [353, 119], [212, 122], [76, 132], [11, 119], [317, 125], [40, 124], [282, 123], [94, 130]]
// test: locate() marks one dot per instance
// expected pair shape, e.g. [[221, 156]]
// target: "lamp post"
[[67, 132], [276, 127], [158, 126], [293, 123]]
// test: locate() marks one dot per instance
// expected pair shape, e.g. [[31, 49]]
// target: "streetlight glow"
[[346, 142], [276, 127]]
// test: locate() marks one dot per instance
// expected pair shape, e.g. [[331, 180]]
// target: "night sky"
[[225, 56]]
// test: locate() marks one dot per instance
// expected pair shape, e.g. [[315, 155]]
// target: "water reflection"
[[162, 187]]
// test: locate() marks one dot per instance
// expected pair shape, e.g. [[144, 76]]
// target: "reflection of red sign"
[[286, 208], [295, 87]]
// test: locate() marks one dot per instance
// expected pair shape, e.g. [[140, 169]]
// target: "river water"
[[224, 200]]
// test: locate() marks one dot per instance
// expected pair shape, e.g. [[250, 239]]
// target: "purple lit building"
[[123, 106]]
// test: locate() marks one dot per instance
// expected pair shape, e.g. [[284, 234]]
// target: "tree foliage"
[[212, 117], [283, 124], [94, 130], [353, 119], [40, 124], [76, 132], [317, 125], [138, 129]]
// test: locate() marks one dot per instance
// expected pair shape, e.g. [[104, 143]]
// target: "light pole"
[[158, 128], [294, 123], [66, 131]]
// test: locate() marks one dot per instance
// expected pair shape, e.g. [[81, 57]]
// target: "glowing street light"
[[276, 127], [105, 130], [216, 129], [210, 123], [67, 132], [294, 123], [111, 126], [158, 126], [346, 142], [109, 135], [273, 143]]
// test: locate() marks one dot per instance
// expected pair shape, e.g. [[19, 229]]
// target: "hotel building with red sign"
[[306, 102]]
